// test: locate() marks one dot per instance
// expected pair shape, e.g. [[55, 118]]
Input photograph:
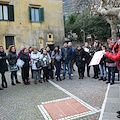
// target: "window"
[[9, 40], [36, 14], [49, 36], [6, 12]]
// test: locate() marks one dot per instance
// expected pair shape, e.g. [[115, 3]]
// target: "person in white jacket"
[[47, 60], [35, 56]]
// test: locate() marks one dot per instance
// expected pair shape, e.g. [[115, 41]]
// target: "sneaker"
[[70, 78], [71, 75]]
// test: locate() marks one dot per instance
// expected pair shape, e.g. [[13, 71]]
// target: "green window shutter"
[[11, 12], [41, 12], [30, 19]]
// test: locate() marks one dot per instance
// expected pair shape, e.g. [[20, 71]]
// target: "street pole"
[[84, 35], [83, 29]]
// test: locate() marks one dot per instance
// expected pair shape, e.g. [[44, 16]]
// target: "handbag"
[[40, 63], [20, 63], [13, 67]]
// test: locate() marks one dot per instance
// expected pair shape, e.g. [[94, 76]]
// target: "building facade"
[[31, 23]]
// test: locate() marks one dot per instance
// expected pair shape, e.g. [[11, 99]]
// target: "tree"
[[110, 10], [93, 25]]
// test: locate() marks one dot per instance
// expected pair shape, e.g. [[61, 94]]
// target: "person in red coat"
[[115, 56]]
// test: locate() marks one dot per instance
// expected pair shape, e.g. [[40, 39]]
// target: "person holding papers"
[[94, 49]]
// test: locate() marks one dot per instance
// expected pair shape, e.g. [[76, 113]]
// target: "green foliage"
[[92, 25]]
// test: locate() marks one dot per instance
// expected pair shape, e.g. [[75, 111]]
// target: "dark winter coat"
[[69, 53], [25, 57], [94, 49], [109, 60], [79, 58], [3, 64], [12, 58], [87, 55]]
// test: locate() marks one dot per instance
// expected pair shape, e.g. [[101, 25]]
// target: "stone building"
[[31, 23]]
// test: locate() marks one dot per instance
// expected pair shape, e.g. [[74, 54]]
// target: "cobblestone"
[[20, 102]]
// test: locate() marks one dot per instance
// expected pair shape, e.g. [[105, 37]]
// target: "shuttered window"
[[36, 14], [6, 12]]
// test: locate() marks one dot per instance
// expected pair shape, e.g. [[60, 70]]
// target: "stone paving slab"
[[65, 108]]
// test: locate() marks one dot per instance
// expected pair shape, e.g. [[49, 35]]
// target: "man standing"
[[88, 57], [73, 57], [66, 53]]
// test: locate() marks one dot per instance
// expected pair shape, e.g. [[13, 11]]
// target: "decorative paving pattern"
[[65, 109]]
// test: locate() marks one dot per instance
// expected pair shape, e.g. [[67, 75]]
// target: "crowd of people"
[[61, 60]]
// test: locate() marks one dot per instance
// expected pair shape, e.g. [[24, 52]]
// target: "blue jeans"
[[36, 74], [58, 68], [111, 70], [102, 70], [66, 63], [13, 74]]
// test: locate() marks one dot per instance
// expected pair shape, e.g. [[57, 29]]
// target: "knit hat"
[[23, 49], [92, 43], [64, 42]]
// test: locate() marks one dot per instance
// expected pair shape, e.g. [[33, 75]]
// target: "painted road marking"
[[104, 103]]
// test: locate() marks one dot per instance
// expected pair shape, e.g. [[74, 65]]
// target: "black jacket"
[[25, 57], [12, 58], [79, 58], [3, 64]]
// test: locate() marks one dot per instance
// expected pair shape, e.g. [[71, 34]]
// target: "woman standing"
[[80, 60], [3, 66], [111, 67], [102, 66], [47, 60], [24, 55], [30, 51], [56, 56], [35, 56], [12, 59]]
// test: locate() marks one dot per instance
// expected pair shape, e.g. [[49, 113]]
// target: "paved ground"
[[112, 103], [20, 102]]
